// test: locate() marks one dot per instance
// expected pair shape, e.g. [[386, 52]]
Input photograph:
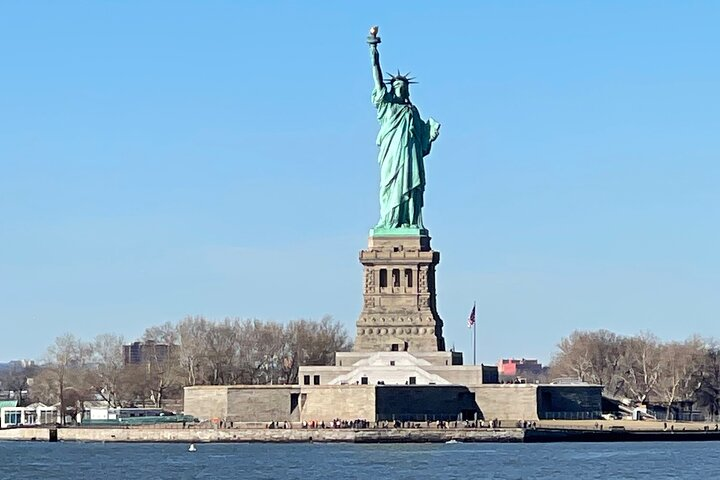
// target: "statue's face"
[[401, 89]]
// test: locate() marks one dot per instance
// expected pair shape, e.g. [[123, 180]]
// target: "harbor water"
[[558, 461]]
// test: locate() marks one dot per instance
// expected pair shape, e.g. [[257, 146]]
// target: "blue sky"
[[161, 159]]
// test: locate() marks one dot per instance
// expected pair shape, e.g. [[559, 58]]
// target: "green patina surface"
[[404, 140], [149, 420], [8, 403], [398, 231]]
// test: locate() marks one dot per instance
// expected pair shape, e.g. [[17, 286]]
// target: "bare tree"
[[15, 379], [108, 359], [573, 359], [192, 332], [163, 370], [64, 366], [641, 366], [625, 366], [134, 383], [259, 348], [708, 395], [681, 369], [165, 334], [314, 343], [45, 387], [593, 357], [220, 346]]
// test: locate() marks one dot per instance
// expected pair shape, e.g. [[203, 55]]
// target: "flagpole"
[[474, 337]]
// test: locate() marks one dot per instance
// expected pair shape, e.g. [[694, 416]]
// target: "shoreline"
[[260, 435], [360, 436]]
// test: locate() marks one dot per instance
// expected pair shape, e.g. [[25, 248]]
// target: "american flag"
[[471, 320]]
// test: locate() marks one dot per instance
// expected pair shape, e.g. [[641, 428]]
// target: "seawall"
[[193, 435], [578, 435], [390, 435]]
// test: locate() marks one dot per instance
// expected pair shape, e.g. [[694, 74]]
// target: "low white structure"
[[398, 368], [390, 368], [101, 413], [34, 414]]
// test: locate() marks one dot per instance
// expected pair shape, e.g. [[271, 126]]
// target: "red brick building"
[[513, 367]]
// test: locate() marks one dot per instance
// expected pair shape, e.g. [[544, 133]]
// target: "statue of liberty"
[[404, 139]]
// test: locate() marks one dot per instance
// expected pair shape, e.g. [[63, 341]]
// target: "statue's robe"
[[404, 139]]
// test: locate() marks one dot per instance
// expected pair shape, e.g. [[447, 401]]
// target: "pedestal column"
[[399, 309]]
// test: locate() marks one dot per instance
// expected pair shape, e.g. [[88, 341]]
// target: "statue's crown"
[[403, 78]]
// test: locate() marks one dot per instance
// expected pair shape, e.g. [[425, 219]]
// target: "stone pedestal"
[[399, 311]]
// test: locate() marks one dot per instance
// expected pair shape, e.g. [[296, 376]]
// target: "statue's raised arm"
[[373, 41]]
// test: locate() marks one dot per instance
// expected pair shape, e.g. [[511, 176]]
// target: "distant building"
[[138, 353], [23, 363], [524, 367]]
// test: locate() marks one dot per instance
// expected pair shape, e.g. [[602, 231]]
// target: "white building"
[[33, 414]]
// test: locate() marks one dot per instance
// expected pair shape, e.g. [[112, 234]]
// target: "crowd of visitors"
[[526, 424], [273, 425], [337, 423], [361, 423]]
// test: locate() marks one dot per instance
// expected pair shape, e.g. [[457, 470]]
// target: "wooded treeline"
[[202, 352], [643, 368]]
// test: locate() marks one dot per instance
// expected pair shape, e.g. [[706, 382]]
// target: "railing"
[[444, 417], [680, 417], [590, 415]]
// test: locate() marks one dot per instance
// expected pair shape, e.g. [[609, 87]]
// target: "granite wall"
[[347, 402], [507, 402], [266, 403], [244, 403], [251, 403], [205, 402]]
